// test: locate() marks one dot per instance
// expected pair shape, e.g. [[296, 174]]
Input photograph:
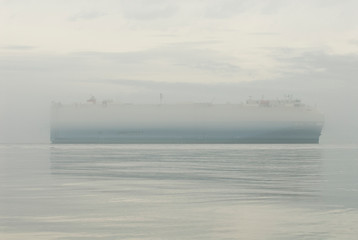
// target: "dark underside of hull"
[[277, 136], [186, 141]]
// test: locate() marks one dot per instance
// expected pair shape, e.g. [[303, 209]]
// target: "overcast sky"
[[189, 50]]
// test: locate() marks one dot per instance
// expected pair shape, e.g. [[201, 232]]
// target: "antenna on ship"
[[161, 98]]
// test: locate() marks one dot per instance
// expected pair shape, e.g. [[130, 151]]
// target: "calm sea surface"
[[178, 192]]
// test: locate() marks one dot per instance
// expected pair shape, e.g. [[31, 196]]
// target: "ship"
[[252, 122]]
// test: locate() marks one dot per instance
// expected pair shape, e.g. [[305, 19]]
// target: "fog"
[[189, 51]]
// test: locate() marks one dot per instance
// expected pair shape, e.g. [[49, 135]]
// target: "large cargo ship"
[[256, 121]]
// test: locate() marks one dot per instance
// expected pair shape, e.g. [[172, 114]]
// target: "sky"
[[190, 51]]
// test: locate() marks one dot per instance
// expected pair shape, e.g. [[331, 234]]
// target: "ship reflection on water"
[[188, 191], [194, 173]]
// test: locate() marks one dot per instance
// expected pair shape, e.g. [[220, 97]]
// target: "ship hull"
[[171, 124], [255, 134]]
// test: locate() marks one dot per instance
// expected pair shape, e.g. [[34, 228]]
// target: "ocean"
[[63, 192]]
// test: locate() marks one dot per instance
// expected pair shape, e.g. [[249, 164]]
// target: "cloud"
[[354, 42], [272, 6], [195, 9], [318, 64], [148, 10], [18, 47], [264, 33], [86, 15], [226, 8], [181, 58]]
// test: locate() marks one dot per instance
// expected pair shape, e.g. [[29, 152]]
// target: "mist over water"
[[178, 191], [219, 52]]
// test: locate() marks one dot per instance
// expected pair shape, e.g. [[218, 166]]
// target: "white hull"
[[185, 123]]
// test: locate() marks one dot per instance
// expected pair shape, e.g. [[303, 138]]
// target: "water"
[[178, 192]]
